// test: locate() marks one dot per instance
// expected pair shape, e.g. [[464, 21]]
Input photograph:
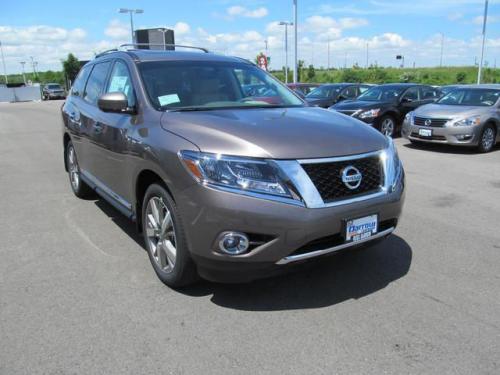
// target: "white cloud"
[[182, 28], [240, 11], [491, 19], [117, 30]]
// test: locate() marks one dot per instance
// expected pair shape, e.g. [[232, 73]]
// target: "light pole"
[[286, 24], [295, 62], [328, 51], [22, 65], [482, 45], [131, 12], [367, 44], [3, 62]]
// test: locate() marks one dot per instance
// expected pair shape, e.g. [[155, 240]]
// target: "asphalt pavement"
[[78, 294]]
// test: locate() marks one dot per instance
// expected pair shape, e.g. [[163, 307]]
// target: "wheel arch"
[[144, 179], [66, 140]]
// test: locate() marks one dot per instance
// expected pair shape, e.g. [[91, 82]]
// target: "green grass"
[[432, 76]]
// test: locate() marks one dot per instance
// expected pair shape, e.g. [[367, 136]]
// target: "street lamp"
[[286, 24], [3, 62], [482, 45], [131, 12], [295, 63]]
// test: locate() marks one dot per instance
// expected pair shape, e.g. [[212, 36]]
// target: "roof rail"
[[106, 52], [161, 45]]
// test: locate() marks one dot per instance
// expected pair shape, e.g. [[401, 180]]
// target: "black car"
[[384, 107], [327, 95]]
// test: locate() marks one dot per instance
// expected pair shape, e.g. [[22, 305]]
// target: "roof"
[[160, 55], [482, 86]]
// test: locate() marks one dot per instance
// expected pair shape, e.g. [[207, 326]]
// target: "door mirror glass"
[[113, 102]]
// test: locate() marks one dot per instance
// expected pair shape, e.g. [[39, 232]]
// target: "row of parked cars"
[[459, 115]]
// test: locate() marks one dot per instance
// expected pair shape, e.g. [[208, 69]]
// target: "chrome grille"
[[435, 122], [327, 177]]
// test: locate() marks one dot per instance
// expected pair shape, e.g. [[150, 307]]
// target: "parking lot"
[[78, 294]]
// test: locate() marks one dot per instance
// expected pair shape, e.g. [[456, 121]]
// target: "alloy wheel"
[[387, 127], [160, 233], [74, 170], [488, 139]]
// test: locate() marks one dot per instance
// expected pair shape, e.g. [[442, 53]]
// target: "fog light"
[[233, 243], [463, 137]]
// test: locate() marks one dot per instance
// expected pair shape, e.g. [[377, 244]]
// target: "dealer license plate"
[[361, 228]]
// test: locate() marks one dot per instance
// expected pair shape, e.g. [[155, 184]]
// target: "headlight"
[[248, 175], [409, 117], [470, 121], [370, 114], [393, 165]]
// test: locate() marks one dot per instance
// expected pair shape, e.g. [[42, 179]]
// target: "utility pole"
[[479, 71], [286, 24], [33, 66], [442, 47], [367, 55], [295, 64], [131, 12], [22, 66], [328, 55], [3, 62]]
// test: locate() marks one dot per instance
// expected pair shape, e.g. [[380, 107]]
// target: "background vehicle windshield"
[[54, 87], [381, 93], [324, 92], [182, 85], [471, 97]]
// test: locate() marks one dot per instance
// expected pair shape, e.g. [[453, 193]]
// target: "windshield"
[[381, 93], [324, 92], [471, 97], [205, 85], [54, 87]]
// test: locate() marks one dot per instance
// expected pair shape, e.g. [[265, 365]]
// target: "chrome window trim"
[[312, 254]]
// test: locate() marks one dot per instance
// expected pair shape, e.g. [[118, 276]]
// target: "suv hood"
[[449, 111], [278, 133], [360, 104]]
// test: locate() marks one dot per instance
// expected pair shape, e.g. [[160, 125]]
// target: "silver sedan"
[[467, 116]]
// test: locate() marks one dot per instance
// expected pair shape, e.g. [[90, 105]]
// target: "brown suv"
[[225, 185]]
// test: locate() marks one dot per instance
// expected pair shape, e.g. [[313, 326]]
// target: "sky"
[[357, 31]]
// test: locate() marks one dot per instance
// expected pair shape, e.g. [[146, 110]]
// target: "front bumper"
[[453, 135], [293, 233]]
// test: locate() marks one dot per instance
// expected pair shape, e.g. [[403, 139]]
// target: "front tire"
[[487, 140], [387, 126], [80, 188], [165, 239]]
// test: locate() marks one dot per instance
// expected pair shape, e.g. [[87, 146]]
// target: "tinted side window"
[[120, 81], [411, 93], [429, 93], [362, 89], [80, 80], [95, 84], [350, 92]]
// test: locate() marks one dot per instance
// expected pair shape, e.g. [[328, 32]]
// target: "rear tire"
[[165, 239], [80, 188], [488, 139]]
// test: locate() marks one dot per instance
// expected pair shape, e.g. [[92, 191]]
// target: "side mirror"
[[114, 102]]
